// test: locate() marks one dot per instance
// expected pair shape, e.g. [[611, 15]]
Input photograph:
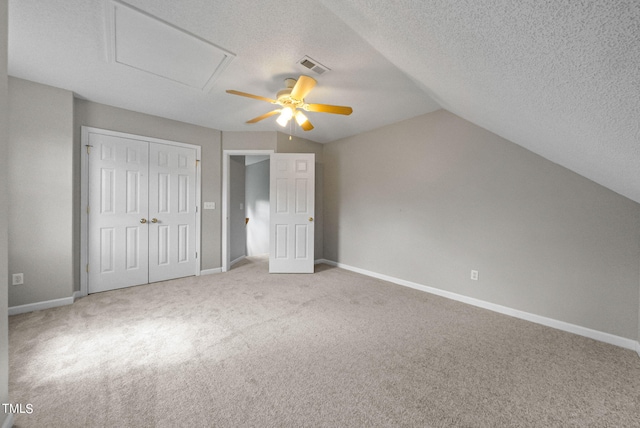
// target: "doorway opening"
[[248, 207], [245, 205]]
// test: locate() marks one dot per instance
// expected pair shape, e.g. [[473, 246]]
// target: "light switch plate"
[[209, 205]]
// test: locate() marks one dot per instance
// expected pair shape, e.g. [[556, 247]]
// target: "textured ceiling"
[[558, 77], [65, 43]]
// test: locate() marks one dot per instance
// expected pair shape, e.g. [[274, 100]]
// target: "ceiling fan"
[[291, 101]]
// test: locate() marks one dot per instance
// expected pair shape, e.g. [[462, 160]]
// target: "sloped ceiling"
[[560, 78]]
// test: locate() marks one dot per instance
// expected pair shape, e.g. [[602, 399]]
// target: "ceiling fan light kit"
[[301, 118], [285, 116], [291, 98]]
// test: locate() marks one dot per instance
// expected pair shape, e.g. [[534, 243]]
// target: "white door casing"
[[292, 210], [131, 181]]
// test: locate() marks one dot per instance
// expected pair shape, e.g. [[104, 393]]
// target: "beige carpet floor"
[[333, 349]]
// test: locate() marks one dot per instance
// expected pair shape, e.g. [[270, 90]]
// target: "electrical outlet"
[[474, 275], [17, 278]]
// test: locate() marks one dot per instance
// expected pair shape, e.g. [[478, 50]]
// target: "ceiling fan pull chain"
[[290, 129]]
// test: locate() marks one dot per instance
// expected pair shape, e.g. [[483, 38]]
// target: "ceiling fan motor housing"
[[284, 95]]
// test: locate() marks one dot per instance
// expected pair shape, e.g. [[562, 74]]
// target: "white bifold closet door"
[[142, 212]]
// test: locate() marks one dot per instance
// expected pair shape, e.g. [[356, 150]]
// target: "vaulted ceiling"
[[560, 78]]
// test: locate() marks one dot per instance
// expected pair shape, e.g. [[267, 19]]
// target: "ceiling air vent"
[[313, 65]]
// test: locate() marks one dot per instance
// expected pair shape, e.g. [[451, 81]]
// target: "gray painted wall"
[[237, 228], [4, 222], [257, 207], [249, 140], [40, 178], [106, 117], [428, 199], [299, 145]]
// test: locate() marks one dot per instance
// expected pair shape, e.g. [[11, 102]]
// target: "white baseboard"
[[239, 259], [211, 271], [38, 306], [549, 322], [8, 421]]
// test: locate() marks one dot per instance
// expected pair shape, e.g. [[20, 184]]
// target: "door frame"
[[226, 198], [84, 194]]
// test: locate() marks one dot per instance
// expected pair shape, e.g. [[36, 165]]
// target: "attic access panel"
[[149, 44]]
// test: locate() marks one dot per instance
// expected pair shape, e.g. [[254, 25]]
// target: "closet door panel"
[[172, 210]]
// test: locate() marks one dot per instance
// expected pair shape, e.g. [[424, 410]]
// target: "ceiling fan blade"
[[264, 116], [326, 108], [257, 97], [307, 126], [303, 86]]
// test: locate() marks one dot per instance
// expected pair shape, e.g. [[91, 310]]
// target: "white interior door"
[[292, 208], [172, 212], [142, 212], [118, 207]]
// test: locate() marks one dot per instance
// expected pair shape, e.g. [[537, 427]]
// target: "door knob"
[[143, 220], [310, 218], [154, 220]]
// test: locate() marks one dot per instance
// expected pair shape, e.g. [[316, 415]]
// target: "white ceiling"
[[560, 78]]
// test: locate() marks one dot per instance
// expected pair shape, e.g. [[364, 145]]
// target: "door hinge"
[[89, 148], [196, 208], [88, 209], [87, 268], [196, 254]]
